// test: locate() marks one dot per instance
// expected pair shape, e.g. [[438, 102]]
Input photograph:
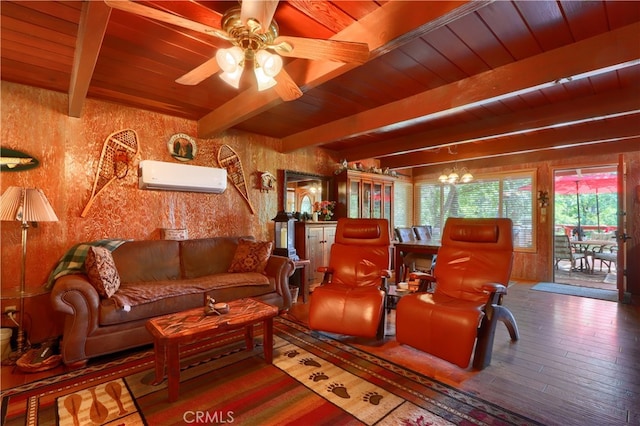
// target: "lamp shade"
[[26, 205], [271, 64]]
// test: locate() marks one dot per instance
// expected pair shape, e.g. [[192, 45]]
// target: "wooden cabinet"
[[362, 194], [313, 242]]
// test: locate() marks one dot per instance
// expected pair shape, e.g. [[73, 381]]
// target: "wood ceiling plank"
[[537, 17], [585, 18], [325, 13], [22, 12], [620, 14], [202, 12], [134, 101], [93, 26], [37, 32], [296, 23], [382, 30], [473, 32], [356, 9], [17, 72], [507, 24], [35, 57], [544, 70], [31, 43], [65, 10], [588, 108], [460, 55]]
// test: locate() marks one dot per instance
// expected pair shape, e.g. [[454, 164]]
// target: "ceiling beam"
[[613, 147], [392, 24], [92, 27], [574, 111], [588, 133], [616, 49]]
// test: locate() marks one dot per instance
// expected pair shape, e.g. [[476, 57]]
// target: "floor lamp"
[[25, 205]]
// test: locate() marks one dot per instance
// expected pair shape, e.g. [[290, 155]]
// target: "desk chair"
[[351, 298], [471, 275]]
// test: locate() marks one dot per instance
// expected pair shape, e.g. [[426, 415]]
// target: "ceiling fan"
[[253, 35]]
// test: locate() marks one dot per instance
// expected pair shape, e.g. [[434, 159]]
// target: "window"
[[402, 204], [491, 196]]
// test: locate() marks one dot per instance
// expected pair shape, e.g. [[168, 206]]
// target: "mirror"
[[301, 190]]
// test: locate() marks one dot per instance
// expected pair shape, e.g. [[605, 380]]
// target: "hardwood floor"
[[577, 362]]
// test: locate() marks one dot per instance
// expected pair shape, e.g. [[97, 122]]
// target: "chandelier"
[[249, 48], [454, 176]]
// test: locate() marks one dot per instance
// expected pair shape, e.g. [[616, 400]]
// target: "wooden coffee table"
[[171, 331]]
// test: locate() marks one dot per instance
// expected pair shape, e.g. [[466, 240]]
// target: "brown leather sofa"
[[170, 276]]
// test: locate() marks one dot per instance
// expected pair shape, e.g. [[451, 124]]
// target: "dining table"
[[419, 246]]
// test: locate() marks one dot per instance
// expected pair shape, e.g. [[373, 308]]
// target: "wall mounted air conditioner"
[[181, 177]]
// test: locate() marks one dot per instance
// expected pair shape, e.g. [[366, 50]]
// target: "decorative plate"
[[182, 147]]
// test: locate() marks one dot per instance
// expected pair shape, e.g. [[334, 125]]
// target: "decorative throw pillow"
[[251, 256], [101, 271]]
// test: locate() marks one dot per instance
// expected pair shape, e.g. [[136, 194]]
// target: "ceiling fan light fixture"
[[230, 59], [264, 81], [233, 78], [271, 64]]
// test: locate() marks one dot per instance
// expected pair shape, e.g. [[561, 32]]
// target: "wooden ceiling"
[[446, 80]]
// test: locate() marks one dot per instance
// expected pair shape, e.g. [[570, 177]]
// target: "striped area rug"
[[314, 380]]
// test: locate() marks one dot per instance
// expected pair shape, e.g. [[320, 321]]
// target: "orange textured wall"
[[36, 122]]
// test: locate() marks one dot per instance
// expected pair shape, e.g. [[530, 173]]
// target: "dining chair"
[[423, 232], [563, 250], [605, 254], [352, 295], [412, 262], [472, 274]]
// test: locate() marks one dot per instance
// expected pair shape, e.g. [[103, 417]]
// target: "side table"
[[302, 265]]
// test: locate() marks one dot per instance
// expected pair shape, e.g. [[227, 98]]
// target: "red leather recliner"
[[471, 275], [351, 298]]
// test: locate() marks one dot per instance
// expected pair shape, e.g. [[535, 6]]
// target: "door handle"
[[622, 236]]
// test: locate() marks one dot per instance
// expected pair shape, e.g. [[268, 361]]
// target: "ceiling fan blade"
[[332, 50], [200, 73], [158, 15], [259, 10], [286, 88]]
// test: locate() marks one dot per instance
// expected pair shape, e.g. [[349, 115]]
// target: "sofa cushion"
[[151, 299], [134, 294], [152, 260], [207, 256], [101, 271], [251, 256]]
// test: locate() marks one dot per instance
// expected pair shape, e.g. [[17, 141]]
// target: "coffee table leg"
[[159, 350], [173, 371], [267, 332], [248, 337]]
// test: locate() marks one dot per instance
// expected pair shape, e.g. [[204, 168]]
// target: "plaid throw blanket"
[[73, 260]]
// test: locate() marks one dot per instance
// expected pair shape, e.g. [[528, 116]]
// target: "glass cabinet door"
[[377, 201], [367, 189], [354, 199], [387, 207]]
